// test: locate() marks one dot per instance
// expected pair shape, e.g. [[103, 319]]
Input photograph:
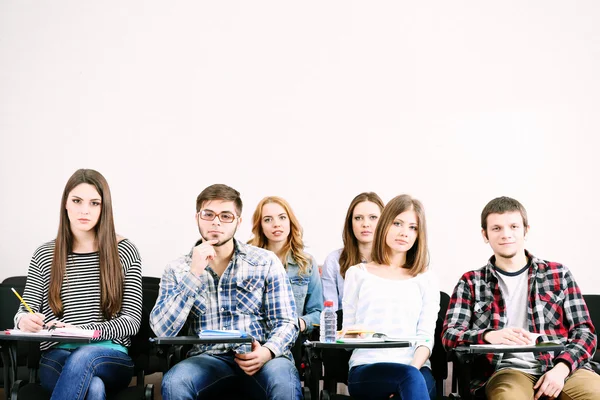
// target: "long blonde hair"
[[294, 245], [111, 271]]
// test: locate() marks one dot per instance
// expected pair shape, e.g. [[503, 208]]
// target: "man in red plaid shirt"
[[518, 299]]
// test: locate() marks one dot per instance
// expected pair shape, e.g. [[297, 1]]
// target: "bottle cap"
[[328, 303]]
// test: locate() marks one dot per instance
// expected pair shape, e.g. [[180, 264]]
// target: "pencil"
[[22, 301]]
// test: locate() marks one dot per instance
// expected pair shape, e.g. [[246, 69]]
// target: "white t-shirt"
[[513, 286], [398, 308]]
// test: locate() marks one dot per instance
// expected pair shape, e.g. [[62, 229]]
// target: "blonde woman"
[[276, 228]]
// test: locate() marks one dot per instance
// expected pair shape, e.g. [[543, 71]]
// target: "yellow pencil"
[[22, 301]]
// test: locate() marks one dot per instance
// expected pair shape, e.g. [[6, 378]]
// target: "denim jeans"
[[380, 380], [87, 372], [214, 376]]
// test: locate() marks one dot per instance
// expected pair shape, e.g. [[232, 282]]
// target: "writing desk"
[[171, 347], [315, 357], [465, 356], [8, 347], [164, 340]]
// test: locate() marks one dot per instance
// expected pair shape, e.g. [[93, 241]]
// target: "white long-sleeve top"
[[333, 283], [398, 308]]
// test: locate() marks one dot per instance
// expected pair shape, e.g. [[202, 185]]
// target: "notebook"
[[381, 337], [59, 332], [222, 334]]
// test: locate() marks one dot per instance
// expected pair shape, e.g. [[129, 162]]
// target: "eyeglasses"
[[225, 217]]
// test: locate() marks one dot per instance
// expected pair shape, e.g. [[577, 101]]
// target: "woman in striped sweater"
[[87, 278], [394, 294]]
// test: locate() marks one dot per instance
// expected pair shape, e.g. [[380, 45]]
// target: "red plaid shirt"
[[555, 308]]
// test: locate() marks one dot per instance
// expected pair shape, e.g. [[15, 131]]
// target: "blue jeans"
[[211, 376], [380, 380], [87, 372]]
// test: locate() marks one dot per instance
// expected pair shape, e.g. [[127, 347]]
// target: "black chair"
[[139, 352], [15, 281], [150, 288], [335, 361], [593, 304], [9, 304]]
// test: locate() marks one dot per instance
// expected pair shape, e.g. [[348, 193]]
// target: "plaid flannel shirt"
[[253, 294], [555, 309]]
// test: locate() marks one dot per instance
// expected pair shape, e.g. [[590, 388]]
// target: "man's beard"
[[507, 256], [221, 242]]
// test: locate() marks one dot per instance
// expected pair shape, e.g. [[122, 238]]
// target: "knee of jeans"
[[178, 375], [96, 389], [413, 373], [282, 372]]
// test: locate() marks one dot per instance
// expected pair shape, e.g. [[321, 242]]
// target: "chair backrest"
[[150, 288], [439, 357], [19, 280], [593, 304], [9, 304], [142, 347]]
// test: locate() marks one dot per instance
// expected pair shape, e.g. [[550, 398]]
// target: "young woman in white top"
[[359, 227], [394, 294], [86, 278]]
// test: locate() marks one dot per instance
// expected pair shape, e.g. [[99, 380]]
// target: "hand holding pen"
[[32, 322]]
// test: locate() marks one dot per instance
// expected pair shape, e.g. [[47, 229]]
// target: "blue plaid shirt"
[[253, 295]]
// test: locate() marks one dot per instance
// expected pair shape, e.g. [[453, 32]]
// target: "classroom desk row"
[[8, 345]]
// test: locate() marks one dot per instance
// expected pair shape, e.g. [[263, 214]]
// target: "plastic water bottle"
[[328, 326]]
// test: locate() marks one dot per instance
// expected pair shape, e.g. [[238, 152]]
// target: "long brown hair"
[[294, 244], [111, 271], [350, 255], [417, 258]]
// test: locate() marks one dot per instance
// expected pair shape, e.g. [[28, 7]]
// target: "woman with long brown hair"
[[359, 227], [394, 294], [276, 228], [87, 278]]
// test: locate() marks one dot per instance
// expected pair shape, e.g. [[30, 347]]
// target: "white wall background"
[[453, 102]]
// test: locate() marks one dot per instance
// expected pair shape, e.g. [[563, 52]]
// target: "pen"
[[25, 304], [22, 301]]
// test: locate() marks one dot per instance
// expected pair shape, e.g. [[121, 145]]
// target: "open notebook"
[[381, 337], [533, 344], [59, 332]]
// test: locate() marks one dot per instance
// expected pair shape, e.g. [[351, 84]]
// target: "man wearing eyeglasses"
[[225, 284]]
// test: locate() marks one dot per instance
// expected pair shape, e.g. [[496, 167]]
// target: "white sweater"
[[398, 308]]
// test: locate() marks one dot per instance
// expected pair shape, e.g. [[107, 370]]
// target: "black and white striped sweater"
[[80, 292]]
